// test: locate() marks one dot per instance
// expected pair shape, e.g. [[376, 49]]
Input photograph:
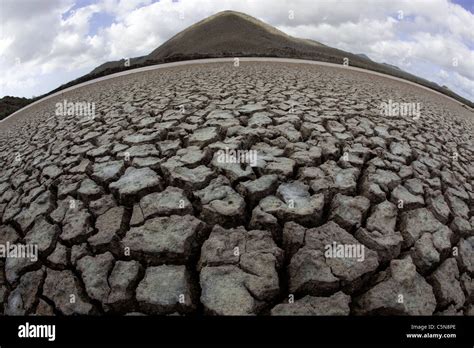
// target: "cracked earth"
[[133, 213]]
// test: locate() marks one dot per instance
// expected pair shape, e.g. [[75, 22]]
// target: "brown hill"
[[231, 32]]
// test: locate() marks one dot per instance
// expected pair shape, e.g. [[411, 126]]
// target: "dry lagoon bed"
[[343, 210]]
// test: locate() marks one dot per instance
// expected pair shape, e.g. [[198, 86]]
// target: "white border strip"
[[223, 60]]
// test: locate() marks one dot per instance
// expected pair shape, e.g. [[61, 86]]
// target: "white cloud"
[[343, 35], [56, 44], [463, 85]]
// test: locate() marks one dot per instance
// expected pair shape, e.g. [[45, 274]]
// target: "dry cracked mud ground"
[[133, 213]]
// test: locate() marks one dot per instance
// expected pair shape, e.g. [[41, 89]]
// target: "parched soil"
[[336, 208]]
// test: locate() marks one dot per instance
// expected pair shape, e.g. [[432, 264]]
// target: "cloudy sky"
[[45, 43]]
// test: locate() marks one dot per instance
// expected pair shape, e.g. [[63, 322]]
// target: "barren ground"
[[133, 212]]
